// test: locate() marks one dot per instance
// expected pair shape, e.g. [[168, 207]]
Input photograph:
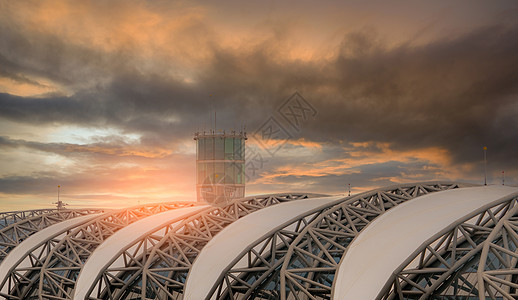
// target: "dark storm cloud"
[[459, 93], [48, 56], [65, 110], [10, 70], [102, 150], [451, 93], [44, 184]]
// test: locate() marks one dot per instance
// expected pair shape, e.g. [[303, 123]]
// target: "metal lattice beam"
[[157, 266], [53, 268], [308, 267], [260, 258], [24, 224], [474, 258], [10, 217]]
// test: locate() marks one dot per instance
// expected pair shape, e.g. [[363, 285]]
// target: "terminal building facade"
[[428, 240]]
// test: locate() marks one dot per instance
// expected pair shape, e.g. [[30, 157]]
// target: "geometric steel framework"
[[159, 270], [10, 217], [260, 226], [260, 258], [141, 234], [474, 258], [53, 269], [21, 225], [300, 260], [41, 240]]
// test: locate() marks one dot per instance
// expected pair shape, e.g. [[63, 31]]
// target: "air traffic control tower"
[[220, 166]]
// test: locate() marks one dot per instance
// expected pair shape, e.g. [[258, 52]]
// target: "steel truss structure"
[[157, 266], [10, 217], [474, 258], [21, 225], [55, 264], [298, 256], [300, 263]]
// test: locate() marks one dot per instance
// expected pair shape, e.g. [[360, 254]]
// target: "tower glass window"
[[220, 163]]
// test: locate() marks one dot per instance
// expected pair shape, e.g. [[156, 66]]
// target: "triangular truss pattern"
[[53, 275], [11, 217], [307, 266], [15, 227], [476, 259], [165, 265], [258, 262]]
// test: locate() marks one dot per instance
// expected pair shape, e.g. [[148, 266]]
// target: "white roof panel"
[[37, 239], [112, 246], [225, 247], [391, 238]]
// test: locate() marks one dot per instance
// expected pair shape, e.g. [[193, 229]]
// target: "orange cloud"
[[305, 143], [437, 159], [27, 87]]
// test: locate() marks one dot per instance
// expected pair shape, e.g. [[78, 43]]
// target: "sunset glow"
[[103, 98]]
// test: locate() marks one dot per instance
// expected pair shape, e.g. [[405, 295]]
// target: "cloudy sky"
[[103, 97]]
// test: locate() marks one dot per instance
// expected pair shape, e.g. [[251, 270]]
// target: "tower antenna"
[[485, 165], [60, 205], [213, 103], [210, 113]]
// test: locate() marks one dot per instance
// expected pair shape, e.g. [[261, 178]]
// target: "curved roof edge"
[[121, 240], [391, 238], [216, 256], [20, 252]]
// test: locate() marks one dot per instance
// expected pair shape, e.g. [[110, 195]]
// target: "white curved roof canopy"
[[390, 239], [34, 241], [111, 247], [224, 248]]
